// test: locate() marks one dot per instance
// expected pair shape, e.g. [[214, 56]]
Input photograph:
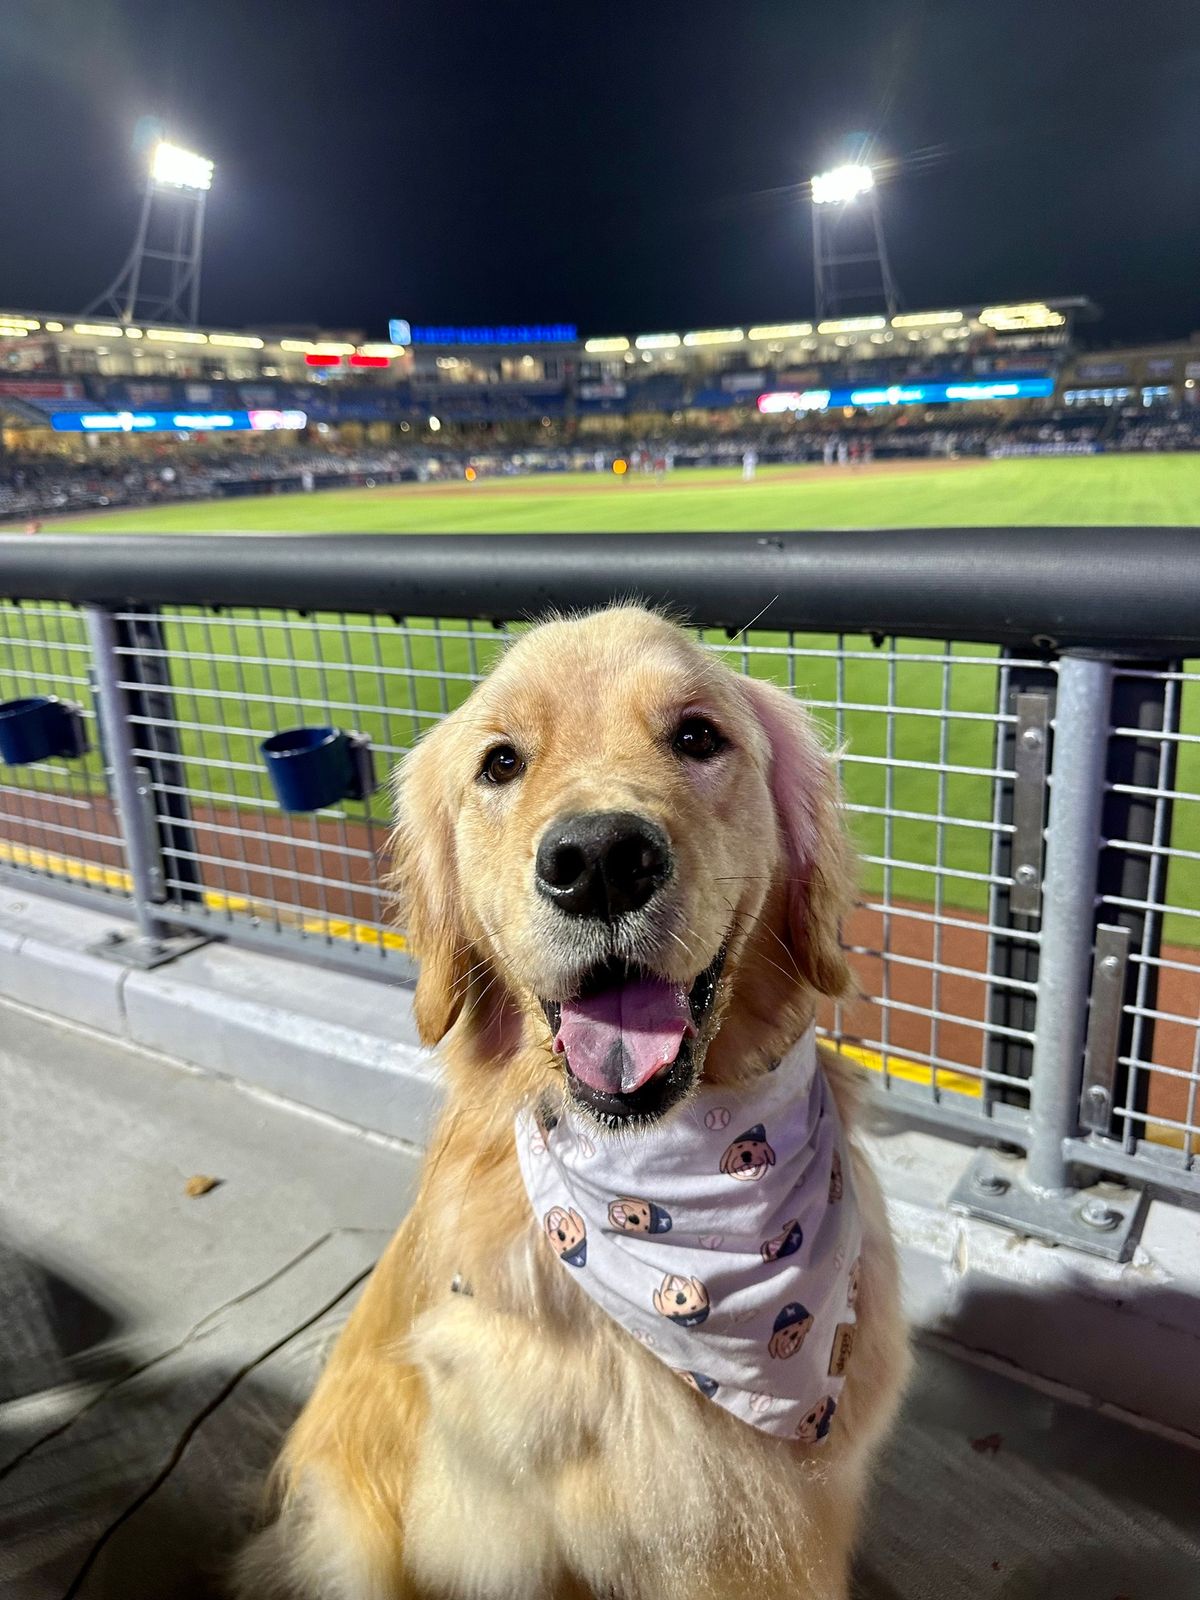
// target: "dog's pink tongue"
[[616, 1041]]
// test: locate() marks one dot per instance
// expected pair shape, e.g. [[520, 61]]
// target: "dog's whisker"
[[748, 916], [757, 877]]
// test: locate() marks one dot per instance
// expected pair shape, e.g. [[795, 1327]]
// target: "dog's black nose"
[[602, 863]]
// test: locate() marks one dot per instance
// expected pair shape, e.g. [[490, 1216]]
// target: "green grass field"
[[1048, 491], [227, 669]]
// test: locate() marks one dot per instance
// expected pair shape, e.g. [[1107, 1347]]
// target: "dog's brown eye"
[[697, 739], [502, 764]]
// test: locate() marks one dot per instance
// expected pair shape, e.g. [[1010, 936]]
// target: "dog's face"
[[599, 836], [682, 1300], [816, 1424], [748, 1157], [792, 1327], [638, 1216], [698, 1381], [567, 1235], [785, 1243]]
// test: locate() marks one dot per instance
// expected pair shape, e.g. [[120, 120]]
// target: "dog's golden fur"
[[513, 1441]]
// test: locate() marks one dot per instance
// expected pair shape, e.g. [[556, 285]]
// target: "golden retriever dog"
[[612, 799]]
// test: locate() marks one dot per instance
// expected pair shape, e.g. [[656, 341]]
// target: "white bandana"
[[725, 1239]]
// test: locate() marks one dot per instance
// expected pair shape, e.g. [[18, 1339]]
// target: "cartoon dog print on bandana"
[[815, 1425], [784, 1243], [567, 1235], [790, 1331], [724, 1241], [696, 1380], [683, 1301], [749, 1156], [638, 1216]]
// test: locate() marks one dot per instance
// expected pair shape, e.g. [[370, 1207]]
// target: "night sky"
[[623, 166]]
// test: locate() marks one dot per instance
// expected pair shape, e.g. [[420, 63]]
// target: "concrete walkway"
[[153, 1346]]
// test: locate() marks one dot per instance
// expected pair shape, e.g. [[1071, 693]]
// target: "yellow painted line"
[[60, 866], [958, 1083], [1157, 1133], [913, 1071], [19, 855]]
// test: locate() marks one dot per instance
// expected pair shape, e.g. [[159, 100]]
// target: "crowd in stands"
[[55, 485], [33, 486], [1158, 430]]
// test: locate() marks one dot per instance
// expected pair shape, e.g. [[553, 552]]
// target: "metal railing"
[[1019, 710]]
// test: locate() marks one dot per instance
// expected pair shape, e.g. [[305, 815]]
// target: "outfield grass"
[[1047, 491], [382, 679]]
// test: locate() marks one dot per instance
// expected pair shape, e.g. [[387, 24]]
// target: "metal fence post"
[[1041, 1196], [1068, 913], [134, 797]]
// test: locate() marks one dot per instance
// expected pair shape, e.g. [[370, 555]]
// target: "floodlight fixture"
[[160, 281], [841, 185], [180, 169], [850, 262]]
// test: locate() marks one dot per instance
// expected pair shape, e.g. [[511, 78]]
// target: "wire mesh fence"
[[916, 727], [57, 819], [1154, 840], [237, 677], [946, 960]]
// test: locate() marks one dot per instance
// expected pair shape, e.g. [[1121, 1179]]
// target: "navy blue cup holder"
[[314, 767], [39, 728]]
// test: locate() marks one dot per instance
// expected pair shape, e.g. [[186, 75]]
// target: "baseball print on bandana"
[[725, 1239]]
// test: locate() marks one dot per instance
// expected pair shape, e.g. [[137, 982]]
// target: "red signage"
[[33, 389]]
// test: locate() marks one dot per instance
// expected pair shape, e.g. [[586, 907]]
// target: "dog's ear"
[[817, 856], [425, 879]]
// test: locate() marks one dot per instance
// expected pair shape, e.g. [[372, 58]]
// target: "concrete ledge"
[[1124, 1334], [340, 1044], [44, 960], [1117, 1335], [327, 1040]]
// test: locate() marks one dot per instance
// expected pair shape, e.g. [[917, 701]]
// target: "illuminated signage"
[[926, 319], [906, 394], [1018, 319], [175, 421], [714, 336], [272, 421], [793, 400], [518, 333], [781, 330], [399, 331]]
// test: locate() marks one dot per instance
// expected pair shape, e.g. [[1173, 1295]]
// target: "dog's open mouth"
[[627, 1037]]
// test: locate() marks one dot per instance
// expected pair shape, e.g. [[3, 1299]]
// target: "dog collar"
[[724, 1239]]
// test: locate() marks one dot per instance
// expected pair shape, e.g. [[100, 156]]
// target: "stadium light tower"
[[160, 281], [850, 260]]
